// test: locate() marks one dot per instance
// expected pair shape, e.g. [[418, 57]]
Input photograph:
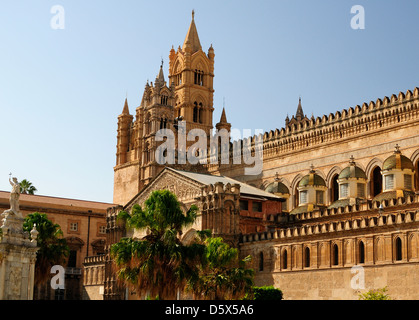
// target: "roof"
[[305, 209], [398, 161], [352, 172], [192, 37], [277, 187], [388, 195], [207, 179], [343, 203], [312, 179], [56, 203]]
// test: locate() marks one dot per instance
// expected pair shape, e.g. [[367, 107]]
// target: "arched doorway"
[[376, 182], [334, 189]]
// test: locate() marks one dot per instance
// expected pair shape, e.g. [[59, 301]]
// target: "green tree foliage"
[[158, 264], [26, 187], [223, 276], [53, 248], [379, 294]]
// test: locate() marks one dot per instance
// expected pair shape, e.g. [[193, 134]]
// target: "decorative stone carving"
[[17, 251], [14, 198]]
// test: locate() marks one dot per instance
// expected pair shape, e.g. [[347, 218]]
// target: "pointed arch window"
[[307, 257], [361, 252], [147, 124], [164, 99], [376, 182], [334, 195], [261, 261], [398, 249], [146, 153], [163, 123], [335, 255], [199, 77], [201, 111], [285, 259], [198, 112], [195, 112], [178, 79]]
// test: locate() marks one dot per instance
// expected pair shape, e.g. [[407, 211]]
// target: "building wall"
[[94, 278], [85, 241], [323, 259], [335, 284]]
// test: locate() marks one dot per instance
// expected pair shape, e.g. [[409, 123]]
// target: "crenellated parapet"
[[221, 210], [359, 120], [349, 218]]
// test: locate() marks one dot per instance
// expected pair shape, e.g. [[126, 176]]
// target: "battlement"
[[343, 124], [219, 188], [377, 219]]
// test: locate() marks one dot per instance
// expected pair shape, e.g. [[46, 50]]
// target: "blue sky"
[[62, 90]]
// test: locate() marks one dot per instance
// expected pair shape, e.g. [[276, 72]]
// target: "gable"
[[185, 189]]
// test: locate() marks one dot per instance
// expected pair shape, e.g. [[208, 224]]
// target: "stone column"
[[17, 258]]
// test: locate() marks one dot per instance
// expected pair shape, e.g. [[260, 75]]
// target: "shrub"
[[379, 294], [267, 293]]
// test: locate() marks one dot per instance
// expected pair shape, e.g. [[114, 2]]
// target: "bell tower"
[[187, 96], [191, 71]]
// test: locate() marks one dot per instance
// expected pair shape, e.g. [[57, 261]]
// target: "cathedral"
[[333, 213]]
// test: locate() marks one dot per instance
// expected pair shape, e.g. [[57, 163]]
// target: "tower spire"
[[300, 113], [192, 38], [126, 109], [160, 77]]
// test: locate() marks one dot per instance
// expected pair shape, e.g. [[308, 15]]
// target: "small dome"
[[352, 172], [398, 161], [312, 179], [277, 187]]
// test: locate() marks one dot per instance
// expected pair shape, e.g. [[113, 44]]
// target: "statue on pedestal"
[[17, 251], [12, 218], [14, 197]]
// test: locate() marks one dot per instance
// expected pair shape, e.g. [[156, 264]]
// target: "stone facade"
[[348, 184]]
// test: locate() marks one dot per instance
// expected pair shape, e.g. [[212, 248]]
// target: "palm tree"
[[158, 264], [223, 276], [53, 248], [26, 187]]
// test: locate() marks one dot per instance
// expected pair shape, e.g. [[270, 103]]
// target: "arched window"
[[200, 113], [376, 182], [178, 79], [417, 175], [199, 77], [335, 255], [164, 100], [334, 192], [399, 249], [195, 114], [307, 257], [147, 124], [285, 259], [146, 153], [163, 123], [296, 197], [261, 261], [361, 252]]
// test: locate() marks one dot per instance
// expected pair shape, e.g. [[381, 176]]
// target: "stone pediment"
[[185, 188]]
